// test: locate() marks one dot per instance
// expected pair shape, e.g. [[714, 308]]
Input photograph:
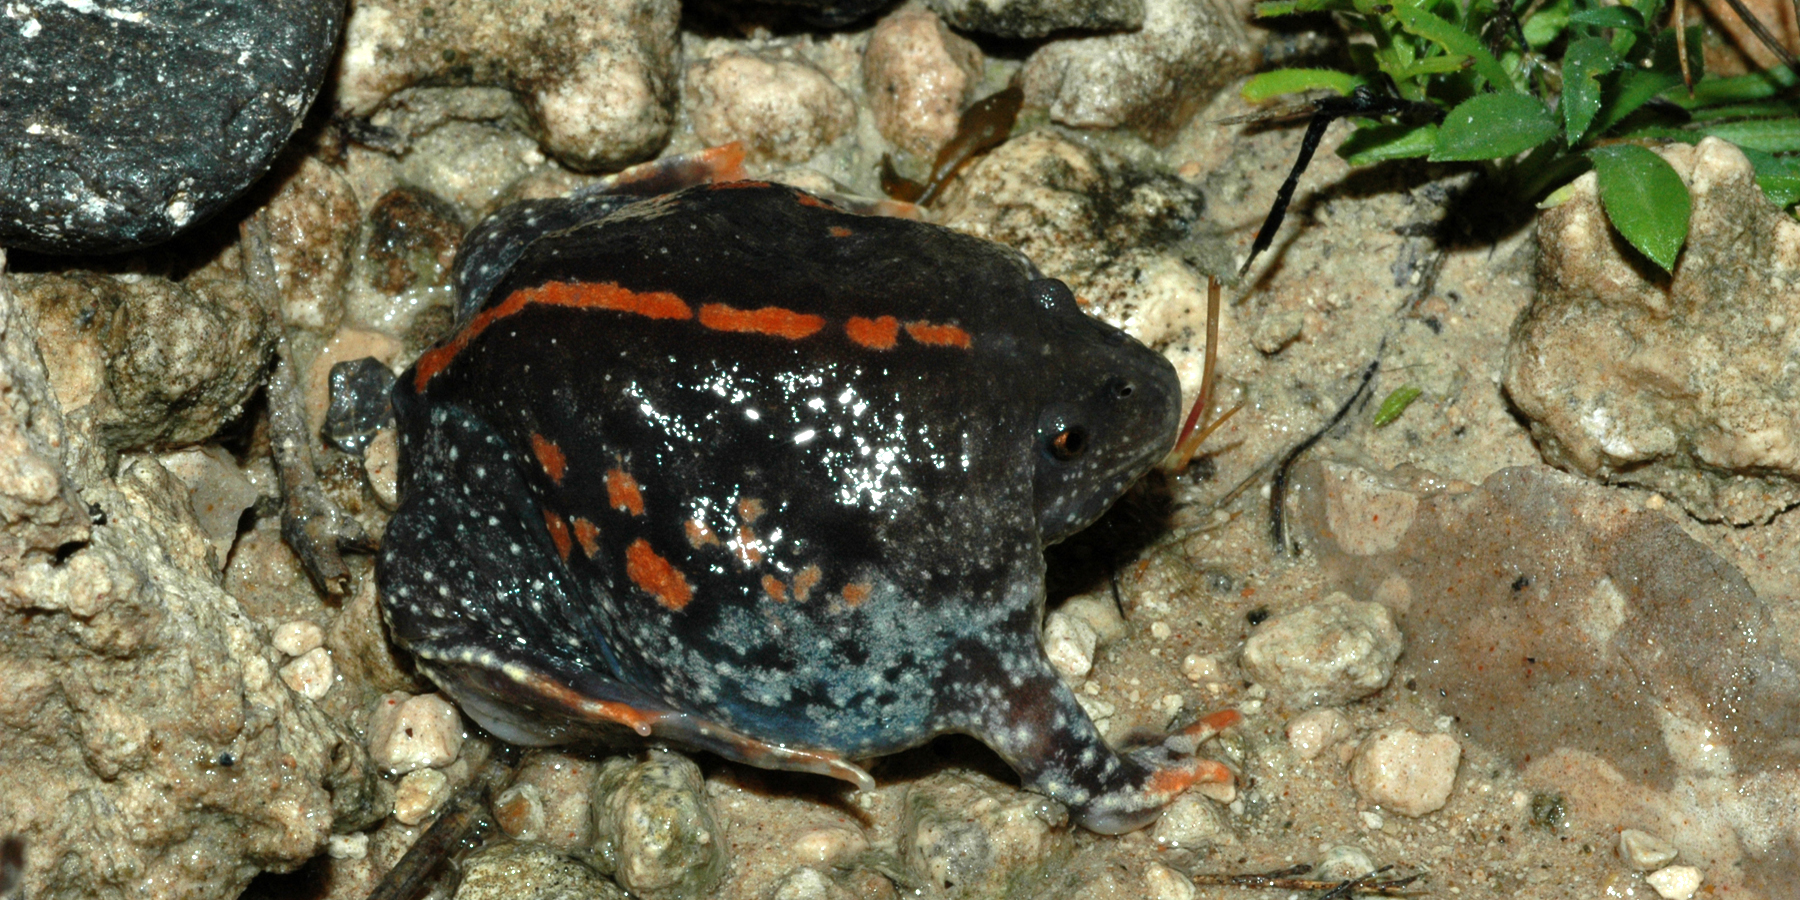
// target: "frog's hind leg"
[[1029, 716], [471, 583]]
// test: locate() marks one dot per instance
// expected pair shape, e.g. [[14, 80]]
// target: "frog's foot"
[[1154, 776], [522, 704]]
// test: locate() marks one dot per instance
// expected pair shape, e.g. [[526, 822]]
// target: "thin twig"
[[1278, 485]]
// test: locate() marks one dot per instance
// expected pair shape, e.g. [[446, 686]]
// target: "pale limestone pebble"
[[1365, 515], [1069, 642], [311, 674], [782, 109], [1395, 593], [1644, 851], [1192, 823], [1675, 882], [218, 494], [1276, 329], [918, 75], [348, 846], [655, 830], [408, 732], [1037, 18], [970, 837], [418, 795], [312, 221], [1099, 711], [297, 637], [381, 464], [551, 800], [1677, 383], [515, 870], [1161, 630], [599, 79], [1326, 654], [1164, 883], [1405, 771], [830, 845], [1343, 863], [1099, 612], [1312, 732], [1152, 79], [808, 883]]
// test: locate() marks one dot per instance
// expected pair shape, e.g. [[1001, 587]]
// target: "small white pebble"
[[1405, 771], [1311, 732], [1171, 704], [311, 674], [1191, 823], [347, 846], [1342, 863], [408, 733], [1160, 630], [519, 811], [1675, 882], [1097, 709], [295, 638], [1164, 883], [1373, 819], [381, 463], [419, 794], [1644, 851], [829, 845], [1201, 668], [1069, 642]]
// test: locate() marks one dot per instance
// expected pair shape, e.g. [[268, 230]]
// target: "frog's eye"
[[1068, 443]]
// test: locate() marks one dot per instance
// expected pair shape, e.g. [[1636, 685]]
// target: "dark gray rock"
[[1037, 18], [129, 121]]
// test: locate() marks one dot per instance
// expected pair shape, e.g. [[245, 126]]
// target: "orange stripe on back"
[[602, 295], [550, 457], [774, 588], [587, 534], [559, 533], [875, 334], [938, 335], [622, 492], [770, 320], [656, 576]]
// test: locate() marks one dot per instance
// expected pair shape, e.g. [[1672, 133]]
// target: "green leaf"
[[1767, 135], [1778, 176], [1454, 40], [1631, 89], [1547, 24], [1756, 86], [1586, 60], [1609, 17], [1395, 404], [1493, 126], [1645, 200], [1371, 144], [1269, 85]]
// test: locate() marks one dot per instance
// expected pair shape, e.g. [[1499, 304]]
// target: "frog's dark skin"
[[739, 470]]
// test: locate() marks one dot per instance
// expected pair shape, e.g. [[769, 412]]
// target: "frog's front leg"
[[1030, 717]]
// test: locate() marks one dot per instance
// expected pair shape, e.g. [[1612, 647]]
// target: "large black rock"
[[122, 122]]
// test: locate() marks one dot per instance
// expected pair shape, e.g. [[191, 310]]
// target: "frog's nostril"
[[1124, 389]]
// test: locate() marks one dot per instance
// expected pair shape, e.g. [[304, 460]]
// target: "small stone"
[[1037, 18], [552, 800], [918, 76], [1151, 79], [655, 830], [512, 870], [418, 795], [381, 463], [1160, 630], [782, 109], [1326, 654], [1164, 883], [311, 674], [1343, 863], [1202, 669], [407, 733], [1310, 733], [1406, 771], [830, 845], [1069, 642], [1276, 329], [297, 637], [1644, 851], [348, 846], [218, 493], [519, 811], [1365, 516], [1098, 710], [1099, 612], [808, 883], [1675, 882], [1192, 823], [969, 837]]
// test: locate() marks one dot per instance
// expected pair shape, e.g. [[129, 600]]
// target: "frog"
[[733, 469]]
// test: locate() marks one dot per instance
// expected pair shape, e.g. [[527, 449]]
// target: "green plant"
[[1547, 89]]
